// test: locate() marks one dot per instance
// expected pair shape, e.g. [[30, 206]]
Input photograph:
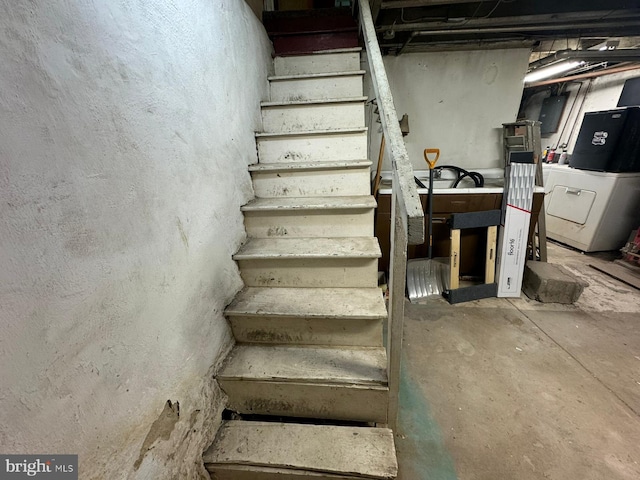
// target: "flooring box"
[[516, 214]]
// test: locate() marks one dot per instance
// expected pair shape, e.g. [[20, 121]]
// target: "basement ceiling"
[[545, 26]]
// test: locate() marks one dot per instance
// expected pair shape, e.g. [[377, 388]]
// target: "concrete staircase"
[[309, 321]]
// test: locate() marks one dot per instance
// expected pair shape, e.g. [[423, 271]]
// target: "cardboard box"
[[516, 215]]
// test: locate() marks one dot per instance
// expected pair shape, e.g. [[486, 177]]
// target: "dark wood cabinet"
[[473, 241]]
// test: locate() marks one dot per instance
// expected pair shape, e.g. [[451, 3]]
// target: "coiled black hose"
[[477, 178]]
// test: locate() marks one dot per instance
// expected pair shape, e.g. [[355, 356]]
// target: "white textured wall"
[[456, 101], [597, 94], [125, 133]]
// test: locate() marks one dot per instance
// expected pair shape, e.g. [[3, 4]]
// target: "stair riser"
[[304, 224], [325, 63], [344, 402], [316, 148], [313, 42], [320, 116], [310, 272], [312, 183], [316, 88], [307, 331]]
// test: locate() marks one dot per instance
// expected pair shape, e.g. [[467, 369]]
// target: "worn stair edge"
[[356, 452], [250, 472], [303, 133], [279, 204], [364, 366], [310, 76], [294, 166], [290, 103], [306, 248], [336, 303]]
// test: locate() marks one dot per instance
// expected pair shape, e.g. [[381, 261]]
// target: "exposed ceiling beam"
[[507, 21], [423, 7], [528, 28], [421, 3], [455, 45]]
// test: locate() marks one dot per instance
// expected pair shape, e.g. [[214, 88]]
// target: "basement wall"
[[588, 95], [456, 101], [126, 129]]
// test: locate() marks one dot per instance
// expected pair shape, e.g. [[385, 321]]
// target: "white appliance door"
[[570, 203]]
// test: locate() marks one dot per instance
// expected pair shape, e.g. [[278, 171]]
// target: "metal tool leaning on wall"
[[426, 278]]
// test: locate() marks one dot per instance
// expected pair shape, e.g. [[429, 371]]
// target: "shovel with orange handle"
[[432, 165]]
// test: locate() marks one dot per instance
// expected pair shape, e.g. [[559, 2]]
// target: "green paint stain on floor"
[[421, 453]]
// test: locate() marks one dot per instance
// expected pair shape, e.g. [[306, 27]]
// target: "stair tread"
[[292, 166], [313, 102], [305, 76], [364, 366], [358, 452], [348, 303], [310, 203], [302, 133], [340, 247]]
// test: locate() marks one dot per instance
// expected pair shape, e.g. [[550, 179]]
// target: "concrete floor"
[[503, 389]]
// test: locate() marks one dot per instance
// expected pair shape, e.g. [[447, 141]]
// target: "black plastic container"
[[609, 141]]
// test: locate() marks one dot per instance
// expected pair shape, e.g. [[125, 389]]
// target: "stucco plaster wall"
[[125, 133], [456, 101]]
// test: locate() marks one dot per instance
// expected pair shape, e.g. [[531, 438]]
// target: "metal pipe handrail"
[[407, 216]]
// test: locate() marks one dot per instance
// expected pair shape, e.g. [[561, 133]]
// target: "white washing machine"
[[591, 211]]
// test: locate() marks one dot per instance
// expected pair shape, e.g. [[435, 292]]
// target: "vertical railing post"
[[407, 216], [395, 325]]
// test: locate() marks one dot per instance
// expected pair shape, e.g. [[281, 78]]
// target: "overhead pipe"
[[528, 28], [595, 55], [623, 55], [611, 55], [546, 20], [406, 44], [599, 73]]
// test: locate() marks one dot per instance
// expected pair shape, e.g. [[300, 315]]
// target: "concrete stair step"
[[338, 60], [305, 115], [311, 179], [294, 217], [346, 383], [308, 248], [312, 146], [308, 316], [309, 262], [269, 451], [316, 86], [307, 166], [310, 203]]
